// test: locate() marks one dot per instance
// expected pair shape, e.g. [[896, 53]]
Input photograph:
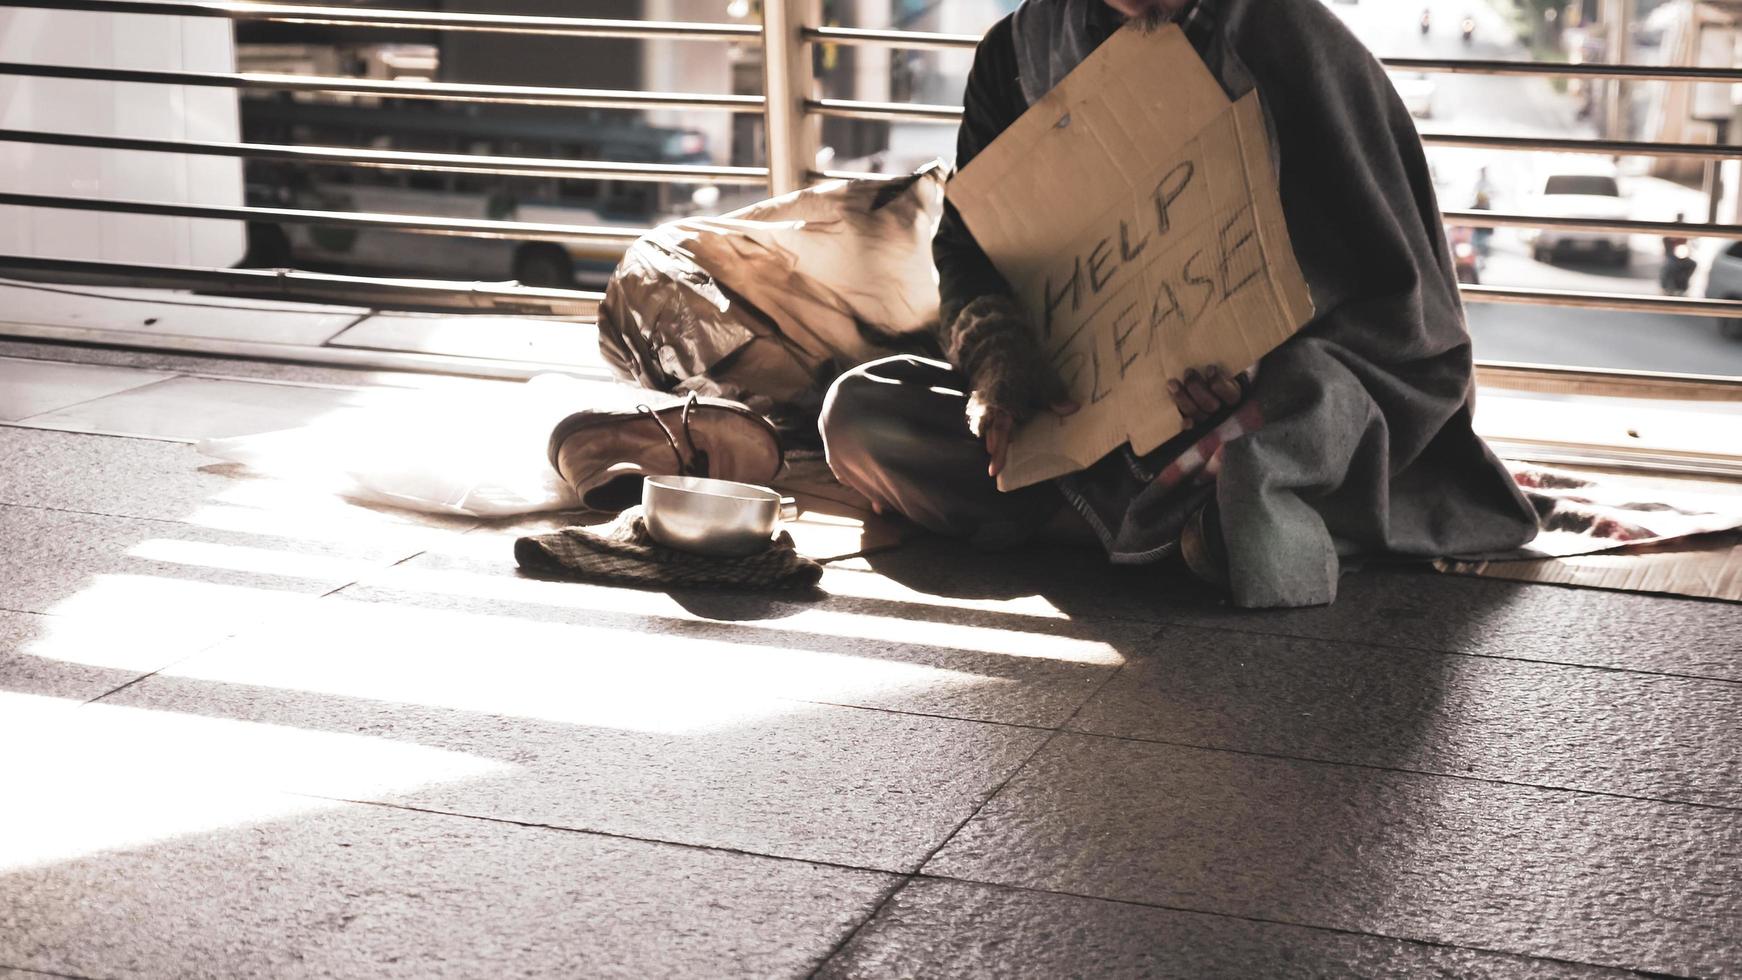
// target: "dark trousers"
[[896, 430]]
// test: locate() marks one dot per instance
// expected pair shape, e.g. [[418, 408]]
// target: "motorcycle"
[[1469, 28], [1466, 259], [1677, 272]]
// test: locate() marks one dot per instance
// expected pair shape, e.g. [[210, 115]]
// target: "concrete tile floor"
[[254, 732]]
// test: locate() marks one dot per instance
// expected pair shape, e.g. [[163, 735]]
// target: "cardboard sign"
[[1134, 210]]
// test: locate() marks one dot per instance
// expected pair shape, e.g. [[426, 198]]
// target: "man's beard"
[[1150, 21]]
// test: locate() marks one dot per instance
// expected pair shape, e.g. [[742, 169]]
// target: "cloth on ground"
[[1366, 446], [1627, 531], [471, 448], [623, 553], [1583, 513]]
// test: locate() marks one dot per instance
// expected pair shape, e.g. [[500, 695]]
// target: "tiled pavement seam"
[[1614, 733], [1434, 773], [24, 423], [237, 369], [1192, 623], [908, 878], [174, 523], [126, 678], [219, 641], [276, 899], [917, 877], [949, 929], [1452, 651], [1518, 959], [25, 973], [173, 644], [1567, 876]]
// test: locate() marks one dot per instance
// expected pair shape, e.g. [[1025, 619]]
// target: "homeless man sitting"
[[1351, 439]]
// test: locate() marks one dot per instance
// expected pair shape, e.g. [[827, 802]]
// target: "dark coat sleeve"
[[1367, 445], [992, 102]]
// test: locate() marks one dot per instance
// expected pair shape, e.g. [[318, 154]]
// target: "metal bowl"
[[709, 517]]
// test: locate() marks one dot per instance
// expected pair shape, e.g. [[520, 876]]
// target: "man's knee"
[[863, 409], [844, 405]]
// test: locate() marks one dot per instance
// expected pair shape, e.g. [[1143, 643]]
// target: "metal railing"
[[355, 17], [573, 98], [296, 284], [790, 114], [416, 224], [606, 241], [403, 160]]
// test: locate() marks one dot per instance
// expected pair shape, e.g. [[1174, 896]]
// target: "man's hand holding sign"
[[1134, 211]]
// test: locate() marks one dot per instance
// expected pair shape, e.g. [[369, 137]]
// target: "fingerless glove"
[[989, 341]]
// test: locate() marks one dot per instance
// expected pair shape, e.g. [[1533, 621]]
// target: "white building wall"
[[106, 108], [690, 66]]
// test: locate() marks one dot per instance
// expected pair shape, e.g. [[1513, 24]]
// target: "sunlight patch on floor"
[[820, 622], [572, 674], [243, 558], [103, 777], [894, 628], [856, 578], [120, 601], [114, 642]]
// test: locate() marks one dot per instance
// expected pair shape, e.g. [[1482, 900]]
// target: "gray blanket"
[[1366, 447]]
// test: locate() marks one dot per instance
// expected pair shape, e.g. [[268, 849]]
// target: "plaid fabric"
[[622, 553], [1203, 460]]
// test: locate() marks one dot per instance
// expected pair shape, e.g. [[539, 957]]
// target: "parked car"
[[1724, 281], [1580, 194], [1417, 91]]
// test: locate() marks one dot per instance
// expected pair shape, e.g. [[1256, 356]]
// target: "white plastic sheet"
[[480, 452]]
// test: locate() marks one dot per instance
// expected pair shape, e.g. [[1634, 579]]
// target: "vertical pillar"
[[1734, 214], [1617, 18], [1714, 177], [787, 81]]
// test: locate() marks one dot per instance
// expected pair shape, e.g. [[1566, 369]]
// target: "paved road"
[[1514, 106], [1621, 341]]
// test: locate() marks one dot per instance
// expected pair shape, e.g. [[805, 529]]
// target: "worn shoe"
[[604, 452], [1201, 546]]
